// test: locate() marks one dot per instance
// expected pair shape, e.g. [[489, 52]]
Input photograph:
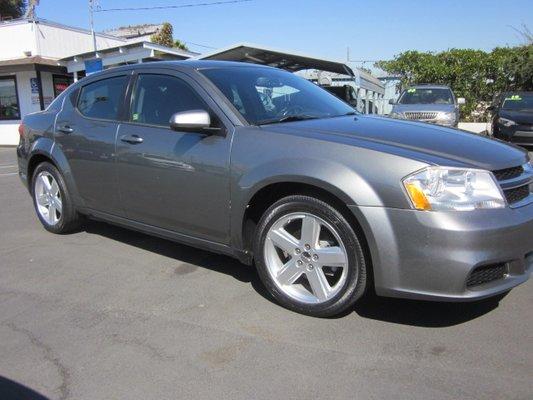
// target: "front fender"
[[335, 178]]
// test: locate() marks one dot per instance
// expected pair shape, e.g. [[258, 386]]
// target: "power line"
[[201, 45], [213, 3]]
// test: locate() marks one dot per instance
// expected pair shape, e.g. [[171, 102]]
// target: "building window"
[[9, 103], [61, 82]]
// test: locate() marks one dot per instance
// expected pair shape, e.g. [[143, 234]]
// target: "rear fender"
[[46, 147]]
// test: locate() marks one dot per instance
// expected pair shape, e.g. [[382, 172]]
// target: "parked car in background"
[[512, 118], [265, 166], [345, 92], [435, 104]]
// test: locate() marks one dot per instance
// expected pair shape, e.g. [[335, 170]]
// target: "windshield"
[[265, 95], [518, 102], [426, 96]]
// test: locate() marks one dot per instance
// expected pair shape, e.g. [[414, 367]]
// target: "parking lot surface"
[[107, 313]]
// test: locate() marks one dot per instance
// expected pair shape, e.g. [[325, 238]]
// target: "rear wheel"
[[309, 257], [52, 200]]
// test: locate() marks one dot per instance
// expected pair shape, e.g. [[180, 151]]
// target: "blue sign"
[[92, 66], [34, 86]]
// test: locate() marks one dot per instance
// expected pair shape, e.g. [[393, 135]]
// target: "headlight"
[[395, 114], [446, 116], [441, 188], [506, 122]]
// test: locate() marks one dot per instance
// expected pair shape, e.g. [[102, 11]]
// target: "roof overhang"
[[127, 53], [293, 62], [34, 63]]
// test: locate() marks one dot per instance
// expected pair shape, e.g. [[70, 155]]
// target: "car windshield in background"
[[518, 102], [265, 96], [426, 96]]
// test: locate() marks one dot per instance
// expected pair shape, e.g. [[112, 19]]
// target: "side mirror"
[[392, 102], [491, 108], [461, 100], [191, 121]]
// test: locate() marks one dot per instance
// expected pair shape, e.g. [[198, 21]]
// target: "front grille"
[[420, 115], [508, 173], [517, 194], [485, 274]]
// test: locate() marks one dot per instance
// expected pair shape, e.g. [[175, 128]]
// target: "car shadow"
[[398, 311], [427, 314], [11, 390], [181, 253]]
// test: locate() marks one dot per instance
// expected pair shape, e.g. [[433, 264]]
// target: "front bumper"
[[517, 134], [431, 255]]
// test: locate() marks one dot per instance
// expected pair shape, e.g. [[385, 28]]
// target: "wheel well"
[[268, 195], [34, 161]]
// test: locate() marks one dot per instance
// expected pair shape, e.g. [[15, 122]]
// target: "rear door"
[[178, 181], [86, 129]]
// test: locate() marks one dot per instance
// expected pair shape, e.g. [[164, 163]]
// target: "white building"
[[46, 57], [30, 76]]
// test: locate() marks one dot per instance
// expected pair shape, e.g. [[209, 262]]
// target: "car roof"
[[182, 64], [519, 92], [428, 86]]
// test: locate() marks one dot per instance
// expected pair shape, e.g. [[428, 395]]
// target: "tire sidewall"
[[66, 212], [355, 283]]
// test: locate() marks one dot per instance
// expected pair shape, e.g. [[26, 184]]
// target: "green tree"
[[165, 38], [180, 45], [12, 8], [473, 74]]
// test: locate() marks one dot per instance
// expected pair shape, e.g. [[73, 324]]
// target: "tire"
[[66, 217], [276, 266]]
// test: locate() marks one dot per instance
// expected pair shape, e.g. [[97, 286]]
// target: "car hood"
[[520, 117], [423, 107], [420, 141]]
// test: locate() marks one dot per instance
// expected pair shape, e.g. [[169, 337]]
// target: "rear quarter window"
[[103, 99]]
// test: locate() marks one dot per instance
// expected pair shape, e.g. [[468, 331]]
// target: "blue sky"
[[372, 29]]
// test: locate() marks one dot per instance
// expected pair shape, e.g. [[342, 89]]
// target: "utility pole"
[[91, 14]]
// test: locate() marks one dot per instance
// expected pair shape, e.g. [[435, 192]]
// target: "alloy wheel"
[[306, 257], [48, 198]]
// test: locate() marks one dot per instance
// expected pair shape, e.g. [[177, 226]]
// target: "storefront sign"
[[92, 66]]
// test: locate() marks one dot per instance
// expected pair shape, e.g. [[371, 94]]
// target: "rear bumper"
[[22, 165], [431, 255]]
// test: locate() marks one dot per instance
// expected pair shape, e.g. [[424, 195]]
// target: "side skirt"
[[169, 235]]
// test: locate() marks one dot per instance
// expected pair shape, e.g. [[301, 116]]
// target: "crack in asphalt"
[[48, 356]]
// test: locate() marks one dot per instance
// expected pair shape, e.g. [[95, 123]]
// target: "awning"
[[276, 58], [127, 53]]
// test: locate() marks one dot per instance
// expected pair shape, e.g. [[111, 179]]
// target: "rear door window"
[[157, 97], [103, 99]]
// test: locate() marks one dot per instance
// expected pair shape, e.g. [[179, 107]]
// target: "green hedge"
[[475, 75]]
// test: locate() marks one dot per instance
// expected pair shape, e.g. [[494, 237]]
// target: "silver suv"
[[428, 103], [265, 166]]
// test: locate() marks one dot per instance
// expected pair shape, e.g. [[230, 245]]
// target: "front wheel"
[[309, 257]]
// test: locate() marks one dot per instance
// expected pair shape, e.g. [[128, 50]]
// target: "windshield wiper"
[[287, 118]]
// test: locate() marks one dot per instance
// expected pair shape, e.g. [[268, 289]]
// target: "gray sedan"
[[262, 165]]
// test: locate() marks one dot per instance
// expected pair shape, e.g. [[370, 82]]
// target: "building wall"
[[48, 40], [28, 102], [15, 39], [59, 42]]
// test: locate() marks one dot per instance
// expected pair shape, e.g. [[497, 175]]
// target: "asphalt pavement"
[[111, 314]]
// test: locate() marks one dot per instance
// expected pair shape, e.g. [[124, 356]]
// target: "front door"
[[85, 131], [178, 181]]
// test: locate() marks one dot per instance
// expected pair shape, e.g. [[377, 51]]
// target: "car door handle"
[[132, 139], [65, 129]]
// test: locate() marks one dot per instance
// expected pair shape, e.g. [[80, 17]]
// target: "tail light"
[[21, 131]]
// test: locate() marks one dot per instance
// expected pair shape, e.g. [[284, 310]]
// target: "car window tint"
[[102, 99], [426, 96], [157, 97]]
